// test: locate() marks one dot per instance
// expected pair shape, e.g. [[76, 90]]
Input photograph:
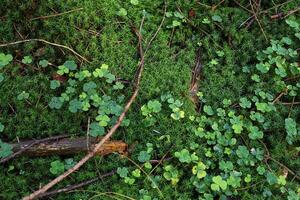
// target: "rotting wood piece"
[[68, 146]]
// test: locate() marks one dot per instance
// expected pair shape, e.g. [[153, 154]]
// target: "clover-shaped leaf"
[[5, 59], [255, 133], [218, 183], [154, 106], [89, 86], [75, 105], [208, 110], [122, 12], [245, 103], [23, 95], [103, 120], [55, 103], [54, 84], [216, 18], [242, 152], [96, 130], [71, 65], [57, 167], [43, 63], [118, 86], [144, 156], [185, 156], [62, 70], [122, 171], [27, 60], [199, 170], [5, 149]]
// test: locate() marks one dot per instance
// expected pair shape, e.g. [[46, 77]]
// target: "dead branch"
[[111, 131], [284, 15], [46, 42]]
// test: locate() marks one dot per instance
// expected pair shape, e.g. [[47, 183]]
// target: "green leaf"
[[291, 130], [122, 171], [71, 65], [96, 130], [57, 167], [69, 163], [242, 152], [185, 156], [89, 86], [62, 70], [216, 18], [136, 173], [23, 95], [255, 133], [43, 63], [208, 110], [54, 84], [103, 120], [261, 170], [55, 103], [134, 2], [218, 183], [245, 103], [271, 178], [154, 106], [122, 12], [5, 59], [144, 156], [5, 149], [281, 180], [75, 105], [118, 86], [175, 23], [27, 60]]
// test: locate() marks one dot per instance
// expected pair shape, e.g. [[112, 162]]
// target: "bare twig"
[[78, 185], [256, 18], [284, 15], [56, 15], [111, 131], [47, 42], [6, 159]]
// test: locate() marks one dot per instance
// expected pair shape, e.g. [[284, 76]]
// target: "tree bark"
[[69, 146]]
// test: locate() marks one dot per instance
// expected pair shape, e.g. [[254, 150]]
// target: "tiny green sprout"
[[54, 84], [118, 86], [214, 62], [5, 59], [216, 18], [57, 167], [27, 60], [255, 78], [134, 2], [176, 23], [69, 163], [218, 183], [199, 170], [23, 95], [43, 63], [122, 12], [220, 53], [144, 156], [122, 171], [55, 103], [96, 130], [248, 178], [206, 21]]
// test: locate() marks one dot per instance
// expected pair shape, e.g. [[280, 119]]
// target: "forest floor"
[[217, 115]]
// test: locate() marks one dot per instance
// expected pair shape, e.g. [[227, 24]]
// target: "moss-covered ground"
[[99, 34]]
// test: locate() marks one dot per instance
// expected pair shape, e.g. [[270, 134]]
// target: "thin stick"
[[110, 132], [56, 15], [47, 42], [6, 159], [256, 18], [78, 185]]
